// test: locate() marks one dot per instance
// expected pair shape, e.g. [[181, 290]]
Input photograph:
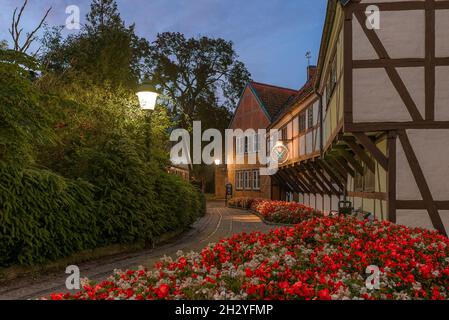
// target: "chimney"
[[311, 71]]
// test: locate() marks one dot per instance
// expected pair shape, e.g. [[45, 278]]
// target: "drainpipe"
[[320, 96]]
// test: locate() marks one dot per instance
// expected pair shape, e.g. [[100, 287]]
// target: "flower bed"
[[277, 211], [283, 212], [321, 258]]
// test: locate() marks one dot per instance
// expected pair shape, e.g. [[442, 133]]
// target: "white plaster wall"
[[319, 202], [361, 47], [414, 80], [442, 92], [302, 145], [327, 204], [295, 126], [403, 33], [432, 150], [335, 201], [376, 99], [309, 144], [312, 201], [289, 130], [406, 187], [317, 140], [316, 111], [357, 203], [441, 33], [420, 218]]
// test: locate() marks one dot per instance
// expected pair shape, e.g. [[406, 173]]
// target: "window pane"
[[310, 117]]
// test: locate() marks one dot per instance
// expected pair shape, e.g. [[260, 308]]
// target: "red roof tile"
[[272, 97]]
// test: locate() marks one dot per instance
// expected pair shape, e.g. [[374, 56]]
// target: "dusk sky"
[[270, 36]]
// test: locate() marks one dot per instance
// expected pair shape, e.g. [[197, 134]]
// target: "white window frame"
[[247, 180], [256, 180], [239, 180]]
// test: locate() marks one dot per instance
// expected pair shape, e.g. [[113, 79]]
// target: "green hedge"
[[76, 173], [44, 217]]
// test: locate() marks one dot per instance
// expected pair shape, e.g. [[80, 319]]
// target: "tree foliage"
[[105, 50], [197, 74], [76, 172]]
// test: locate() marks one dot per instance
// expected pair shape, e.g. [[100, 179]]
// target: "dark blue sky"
[[270, 36]]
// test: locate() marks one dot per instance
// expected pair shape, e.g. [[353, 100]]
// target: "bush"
[[76, 171], [43, 216]]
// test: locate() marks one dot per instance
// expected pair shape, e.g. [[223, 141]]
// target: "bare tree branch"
[[16, 33]]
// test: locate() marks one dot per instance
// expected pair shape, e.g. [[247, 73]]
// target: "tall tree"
[[196, 74], [105, 50]]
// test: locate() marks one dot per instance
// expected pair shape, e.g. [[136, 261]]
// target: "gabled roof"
[[306, 91], [272, 98]]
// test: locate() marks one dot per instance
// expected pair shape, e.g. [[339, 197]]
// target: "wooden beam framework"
[[422, 183], [360, 153], [369, 145]]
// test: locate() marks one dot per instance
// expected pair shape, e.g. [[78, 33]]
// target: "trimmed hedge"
[[76, 173]]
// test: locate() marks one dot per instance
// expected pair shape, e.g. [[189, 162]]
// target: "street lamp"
[[147, 94]]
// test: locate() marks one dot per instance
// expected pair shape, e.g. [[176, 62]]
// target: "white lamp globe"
[[147, 95]]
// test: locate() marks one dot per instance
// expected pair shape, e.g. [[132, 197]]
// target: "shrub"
[[43, 216], [76, 171]]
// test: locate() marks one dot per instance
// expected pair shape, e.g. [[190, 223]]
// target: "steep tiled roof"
[[273, 98], [301, 95]]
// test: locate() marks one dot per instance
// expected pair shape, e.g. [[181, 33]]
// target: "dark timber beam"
[[422, 183], [320, 172], [293, 186], [350, 158], [314, 176], [300, 181], [337, 166], [369, 145], [283, 181], [360, 153], [291, 174], [334, 176], [306, 181]]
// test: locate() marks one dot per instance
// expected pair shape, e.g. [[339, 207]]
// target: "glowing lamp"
[[147, 94]]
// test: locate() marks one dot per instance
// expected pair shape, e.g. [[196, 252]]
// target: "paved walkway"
[[219, 222]]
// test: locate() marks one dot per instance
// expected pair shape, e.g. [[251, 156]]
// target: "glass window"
[[256, 180], [310, 117], [302, 122], [247, 180], [239, 180]]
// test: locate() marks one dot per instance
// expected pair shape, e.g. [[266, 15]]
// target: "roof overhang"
[[325, 38]]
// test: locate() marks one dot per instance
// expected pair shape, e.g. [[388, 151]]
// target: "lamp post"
[[147, 94]]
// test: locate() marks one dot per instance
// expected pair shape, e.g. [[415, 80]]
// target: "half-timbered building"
[[372, 127], [257, 108], [383, 88]]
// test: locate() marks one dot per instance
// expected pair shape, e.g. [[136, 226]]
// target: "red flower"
[[324, 294], [162, 291]]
